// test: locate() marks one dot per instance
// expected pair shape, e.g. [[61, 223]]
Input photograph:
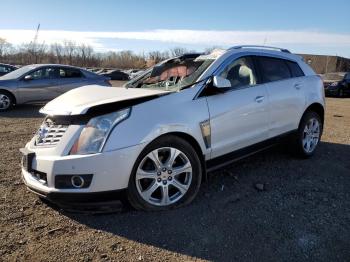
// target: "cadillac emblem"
[[43, 131]]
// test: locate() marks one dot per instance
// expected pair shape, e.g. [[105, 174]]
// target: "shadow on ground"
[[23, 111], [303, 213]]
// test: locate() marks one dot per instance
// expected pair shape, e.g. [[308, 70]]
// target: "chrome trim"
[[206, 132]]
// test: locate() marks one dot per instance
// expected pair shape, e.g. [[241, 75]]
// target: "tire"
[[6, 100], [306, 140], [147, 193]]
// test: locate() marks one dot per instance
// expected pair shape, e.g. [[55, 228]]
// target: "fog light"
[[73, 181], [77, 181]]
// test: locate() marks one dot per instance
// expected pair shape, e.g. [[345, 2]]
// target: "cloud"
[[99, 40]]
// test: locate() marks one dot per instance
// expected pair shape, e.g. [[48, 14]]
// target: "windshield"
[[173, 74], [17, 73]]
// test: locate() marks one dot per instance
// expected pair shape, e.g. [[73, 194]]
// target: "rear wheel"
[[308, 135], [6, 101], [166, 175]]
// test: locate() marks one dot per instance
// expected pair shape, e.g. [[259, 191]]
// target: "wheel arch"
[[193, 142], [317, 108], [9, 93]]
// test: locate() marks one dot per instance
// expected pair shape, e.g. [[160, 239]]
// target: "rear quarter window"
[[295, 69], [70, 73]]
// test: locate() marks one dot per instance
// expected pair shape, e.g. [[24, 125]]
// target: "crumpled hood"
[[79, 100]]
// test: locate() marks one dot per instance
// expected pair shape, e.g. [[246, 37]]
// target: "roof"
[[53, 65]]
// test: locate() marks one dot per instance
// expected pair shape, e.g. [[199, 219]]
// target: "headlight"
[[95, 133]]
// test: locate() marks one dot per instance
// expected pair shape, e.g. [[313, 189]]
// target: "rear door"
[[238, 117], [285, 87], [70, 78]]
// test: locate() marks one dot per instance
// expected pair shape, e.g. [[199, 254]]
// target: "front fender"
[[176, 112]]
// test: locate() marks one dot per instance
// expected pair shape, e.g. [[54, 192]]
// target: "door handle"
[[297, 86], [259, 99]]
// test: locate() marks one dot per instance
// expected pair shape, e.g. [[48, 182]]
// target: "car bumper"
[[110, 174], [70, 198]]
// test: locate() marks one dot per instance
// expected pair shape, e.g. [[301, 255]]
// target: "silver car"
[[44, 82]]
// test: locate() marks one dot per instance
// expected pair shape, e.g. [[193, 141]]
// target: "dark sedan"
[[116, 75], [41, 83], [5, 69], [339, 88]]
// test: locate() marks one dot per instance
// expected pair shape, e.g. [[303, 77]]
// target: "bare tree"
[[211, 49], [83, 55], [5, 48], [57, 52], [70, 49], [178, 51]]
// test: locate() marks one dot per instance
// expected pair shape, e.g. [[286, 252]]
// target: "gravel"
[[268, 207]]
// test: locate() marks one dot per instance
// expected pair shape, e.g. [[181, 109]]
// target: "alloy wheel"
[[311, 135], [163, 176], [5, 102]]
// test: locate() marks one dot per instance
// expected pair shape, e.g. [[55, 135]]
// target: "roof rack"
[[260, 46]]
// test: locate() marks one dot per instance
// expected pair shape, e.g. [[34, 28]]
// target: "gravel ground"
[[268, 207]]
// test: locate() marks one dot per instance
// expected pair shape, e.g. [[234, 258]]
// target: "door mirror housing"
[[220, 82], [28, 78]]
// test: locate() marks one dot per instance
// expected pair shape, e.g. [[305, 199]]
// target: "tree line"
[[82, 55]]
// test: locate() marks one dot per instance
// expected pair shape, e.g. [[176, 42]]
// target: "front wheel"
[[308, 135], [6, 101], [166, 175]]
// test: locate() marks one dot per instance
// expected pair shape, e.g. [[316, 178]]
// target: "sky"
[[307, 26]]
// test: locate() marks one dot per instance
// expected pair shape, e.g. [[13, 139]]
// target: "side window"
[[240, 72], [45, 73], [273, 69], [295, 69], [70, 73]]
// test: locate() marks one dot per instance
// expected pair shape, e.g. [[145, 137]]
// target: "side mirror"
[[28, 77], [220, 82]]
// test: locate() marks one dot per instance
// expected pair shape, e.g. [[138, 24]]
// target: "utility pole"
[[35, 43]]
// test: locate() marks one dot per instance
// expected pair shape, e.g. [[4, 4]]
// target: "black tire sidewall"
[[167, 141]]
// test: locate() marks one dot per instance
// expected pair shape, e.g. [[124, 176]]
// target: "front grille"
[[49, 133]]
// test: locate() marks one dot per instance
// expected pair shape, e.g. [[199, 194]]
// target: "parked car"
[[155, 139], [116, 75], [5, 69], [339, 88], [38, 83]]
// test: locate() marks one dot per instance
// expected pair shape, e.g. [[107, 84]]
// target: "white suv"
[[155, 138]]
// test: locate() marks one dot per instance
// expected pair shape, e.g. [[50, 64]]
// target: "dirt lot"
[[302, 213]]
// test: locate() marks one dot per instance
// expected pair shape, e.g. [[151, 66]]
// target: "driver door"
[[238, 116], [40, 86]]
